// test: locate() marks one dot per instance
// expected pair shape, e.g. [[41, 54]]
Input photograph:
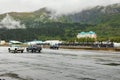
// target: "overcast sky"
[[61, 6]]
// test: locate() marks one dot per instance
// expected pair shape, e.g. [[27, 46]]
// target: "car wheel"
[[15, 51], [39, 51], [9, 50], [22, 51], [32, 50], [27, 49]]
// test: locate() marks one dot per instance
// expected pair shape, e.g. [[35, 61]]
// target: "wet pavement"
[[62, 64]]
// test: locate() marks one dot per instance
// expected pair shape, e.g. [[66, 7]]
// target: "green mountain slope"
[[42, 24], [95, 15]]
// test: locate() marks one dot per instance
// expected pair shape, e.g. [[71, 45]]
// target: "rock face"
[[9, 23]]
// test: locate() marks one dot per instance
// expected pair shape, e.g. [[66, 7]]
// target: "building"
[[34, 42], [53, 42], [89, 34], [2, 42]]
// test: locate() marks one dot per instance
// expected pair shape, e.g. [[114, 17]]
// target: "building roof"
[[83, 33], [91, 32]]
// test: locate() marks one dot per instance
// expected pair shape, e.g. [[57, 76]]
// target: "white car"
[[54, 46], [16, 48]]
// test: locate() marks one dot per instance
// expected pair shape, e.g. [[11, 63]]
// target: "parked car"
[[54, 46], [34, 48], [15, 48]]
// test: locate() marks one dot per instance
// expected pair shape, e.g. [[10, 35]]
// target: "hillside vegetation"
[[43, 25]]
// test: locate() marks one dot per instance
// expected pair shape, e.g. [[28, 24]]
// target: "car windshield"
[[15, 45], [35, 45]]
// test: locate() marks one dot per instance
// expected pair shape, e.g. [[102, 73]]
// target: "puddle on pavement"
[[112, 64], [13, 75], [80, 78], [86, 79]]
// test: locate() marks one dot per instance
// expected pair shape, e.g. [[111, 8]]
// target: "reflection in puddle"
[[14, 76], [113, 64], [87, 79]]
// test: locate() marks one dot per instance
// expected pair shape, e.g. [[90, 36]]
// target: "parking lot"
[[62, 64]]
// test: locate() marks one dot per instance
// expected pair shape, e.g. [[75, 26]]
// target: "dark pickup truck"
[[34, 48]]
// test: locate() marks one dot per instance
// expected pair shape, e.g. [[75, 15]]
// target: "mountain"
[[91, 16], [95, 15], [44, 24]]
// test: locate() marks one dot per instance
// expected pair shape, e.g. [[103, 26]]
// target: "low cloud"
[[61, 6]]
